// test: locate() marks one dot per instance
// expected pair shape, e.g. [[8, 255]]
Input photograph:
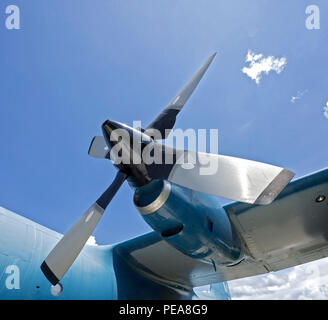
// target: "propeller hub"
[[125, 145]]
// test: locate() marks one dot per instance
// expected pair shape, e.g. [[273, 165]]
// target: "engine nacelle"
[[192, 222]]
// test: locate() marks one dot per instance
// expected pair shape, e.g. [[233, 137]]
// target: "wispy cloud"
[[298, 96], [258, 64], [246, 125], [325, 110], [307, 281]]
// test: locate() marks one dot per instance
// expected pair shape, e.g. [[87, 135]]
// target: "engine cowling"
[[192, 222]]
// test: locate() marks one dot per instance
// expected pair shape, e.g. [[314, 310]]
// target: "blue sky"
[[75, 64]]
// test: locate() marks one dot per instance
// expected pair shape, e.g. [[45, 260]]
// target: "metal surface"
[[98, 148], [91, 277], [157, 203], [65, 252], [99, 272], [290, 231], [68, 248], [192, 222], [231, 178], [166, 120]]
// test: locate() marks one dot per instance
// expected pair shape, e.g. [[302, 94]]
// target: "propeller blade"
[[166, 120], [68, 248], [223, 176], [98, 148], [231, 178]]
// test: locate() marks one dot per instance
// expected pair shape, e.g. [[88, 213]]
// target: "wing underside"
[[290, 231]]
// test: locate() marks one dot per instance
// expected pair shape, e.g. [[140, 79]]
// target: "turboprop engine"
[[191, 221]]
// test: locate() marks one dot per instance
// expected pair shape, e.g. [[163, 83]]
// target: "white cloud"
[[325, 110], [205, 293], [299, 95], [307, 281], [259, 64], [92, 241]]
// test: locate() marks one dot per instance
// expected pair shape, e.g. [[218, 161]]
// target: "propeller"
[[166, 119], [236, 179], [67, 249]]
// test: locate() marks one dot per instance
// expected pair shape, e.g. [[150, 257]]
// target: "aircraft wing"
[[290, 231]]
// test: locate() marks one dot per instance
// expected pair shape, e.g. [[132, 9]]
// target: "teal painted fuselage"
[[99, 272]]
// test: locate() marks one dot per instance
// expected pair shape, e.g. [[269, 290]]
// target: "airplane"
[[273, 223]]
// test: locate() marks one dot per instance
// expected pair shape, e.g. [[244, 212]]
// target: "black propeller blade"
[[166, 119], [68, 248]]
